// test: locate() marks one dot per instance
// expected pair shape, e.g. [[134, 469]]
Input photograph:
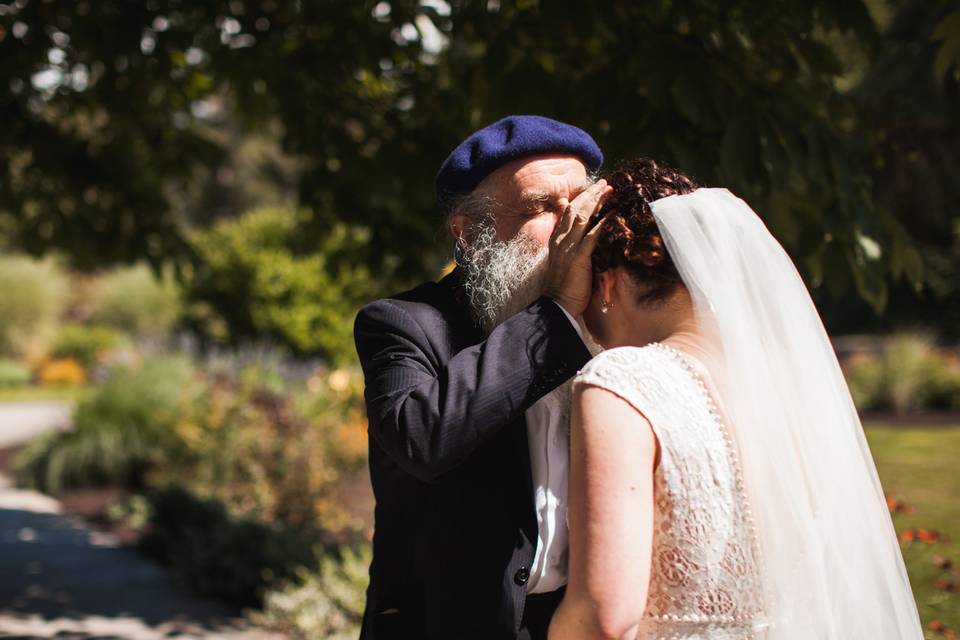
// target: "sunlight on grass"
[[919, 467], [34, 393]]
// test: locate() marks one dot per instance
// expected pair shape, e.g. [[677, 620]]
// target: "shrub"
[[135, 301], [910, 368], [119, 432], [319, 604], [264, 363], [945, 393], [83, 343], [254, 283], [909, 374], [251, 490], [334, 404], [249, 447], [214, 553], [864, 374], [32, 301], [240, 473], [61, 371], [13, 374]]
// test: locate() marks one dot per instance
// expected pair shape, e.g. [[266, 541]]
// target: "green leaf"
[[868, 279], [913, 267], [947, 57], [947, 30]]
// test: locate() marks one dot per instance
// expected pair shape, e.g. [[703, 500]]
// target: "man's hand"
[[569, 273]]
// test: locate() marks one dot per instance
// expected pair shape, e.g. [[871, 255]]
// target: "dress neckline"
[[689, 361]]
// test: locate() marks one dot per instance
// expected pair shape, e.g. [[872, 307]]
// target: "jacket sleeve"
[[430, 417]]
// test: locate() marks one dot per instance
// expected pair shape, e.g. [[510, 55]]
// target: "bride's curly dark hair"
[[630, 237]]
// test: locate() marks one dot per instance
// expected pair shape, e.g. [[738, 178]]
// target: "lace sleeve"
[[625, 371]]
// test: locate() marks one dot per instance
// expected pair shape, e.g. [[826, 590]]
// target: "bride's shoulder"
[[614, 364]]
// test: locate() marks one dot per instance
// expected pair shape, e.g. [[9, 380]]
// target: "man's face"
[[504, 251], [531, 193]]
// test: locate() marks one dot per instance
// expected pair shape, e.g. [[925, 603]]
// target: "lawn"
[[919, 466], [37, 393]]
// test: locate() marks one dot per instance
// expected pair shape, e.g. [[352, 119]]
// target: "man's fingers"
[[589, 198], [590, 239], [563, 224], [578, 229], [572, 225], [597, 194]]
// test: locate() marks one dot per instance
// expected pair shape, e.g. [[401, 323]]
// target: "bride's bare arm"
[[612, 455]]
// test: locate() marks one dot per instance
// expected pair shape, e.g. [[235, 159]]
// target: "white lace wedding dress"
[[705, 577]]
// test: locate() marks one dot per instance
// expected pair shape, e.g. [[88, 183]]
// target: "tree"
[[909, 102], [371, 97]]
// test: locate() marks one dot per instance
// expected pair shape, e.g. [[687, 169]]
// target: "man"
[[470, 529]]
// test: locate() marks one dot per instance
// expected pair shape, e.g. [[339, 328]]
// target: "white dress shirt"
[[548, 432]]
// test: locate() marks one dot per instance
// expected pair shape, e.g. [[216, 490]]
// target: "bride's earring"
[[604, 307]]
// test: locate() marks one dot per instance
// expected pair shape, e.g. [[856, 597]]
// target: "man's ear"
[[457, 224]]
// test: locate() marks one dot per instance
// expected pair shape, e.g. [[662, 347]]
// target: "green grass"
[[33, 393], [918, 465]]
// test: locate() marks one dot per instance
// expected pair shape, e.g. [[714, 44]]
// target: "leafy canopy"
[[108, 110]]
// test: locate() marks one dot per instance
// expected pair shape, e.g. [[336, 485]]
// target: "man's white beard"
[[501, 278]]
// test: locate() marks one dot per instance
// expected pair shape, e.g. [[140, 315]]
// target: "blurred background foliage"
[[836, 120], [252, 280], [195, 198]]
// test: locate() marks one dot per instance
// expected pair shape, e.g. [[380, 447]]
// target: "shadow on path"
[[60, 579]]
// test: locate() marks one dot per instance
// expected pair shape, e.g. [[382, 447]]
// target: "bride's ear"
[[608, 285]]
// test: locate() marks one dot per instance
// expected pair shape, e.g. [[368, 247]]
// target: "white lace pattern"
[[705, 579]]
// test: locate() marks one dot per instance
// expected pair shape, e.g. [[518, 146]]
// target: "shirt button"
[[521, 576]]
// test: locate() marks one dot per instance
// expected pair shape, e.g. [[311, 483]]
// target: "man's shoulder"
[[424, 302]]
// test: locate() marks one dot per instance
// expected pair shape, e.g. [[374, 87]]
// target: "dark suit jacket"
[[455, 528]]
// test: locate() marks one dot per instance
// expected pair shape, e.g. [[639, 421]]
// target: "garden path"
[[60, 578], [20, 421]]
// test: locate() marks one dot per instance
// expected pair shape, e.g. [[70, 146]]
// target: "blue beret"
[[508, 139]]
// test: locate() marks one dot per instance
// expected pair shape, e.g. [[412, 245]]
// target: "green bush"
[[320, 604], [13, 374], [946, 388], [255, 283], [333, 402], [252, 449], [135, 301], [251, 490], [30, 305], [909, 374], [119, 432], [240, 472], [910, 368], [864, 376], [214, 553], [83, 343]]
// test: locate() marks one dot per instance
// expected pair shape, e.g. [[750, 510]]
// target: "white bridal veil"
[[831, 562]]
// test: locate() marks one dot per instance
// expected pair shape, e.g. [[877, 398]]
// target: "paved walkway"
[[61, 579], [20, 421]]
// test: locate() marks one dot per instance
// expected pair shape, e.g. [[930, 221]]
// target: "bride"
[[720, 485]]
